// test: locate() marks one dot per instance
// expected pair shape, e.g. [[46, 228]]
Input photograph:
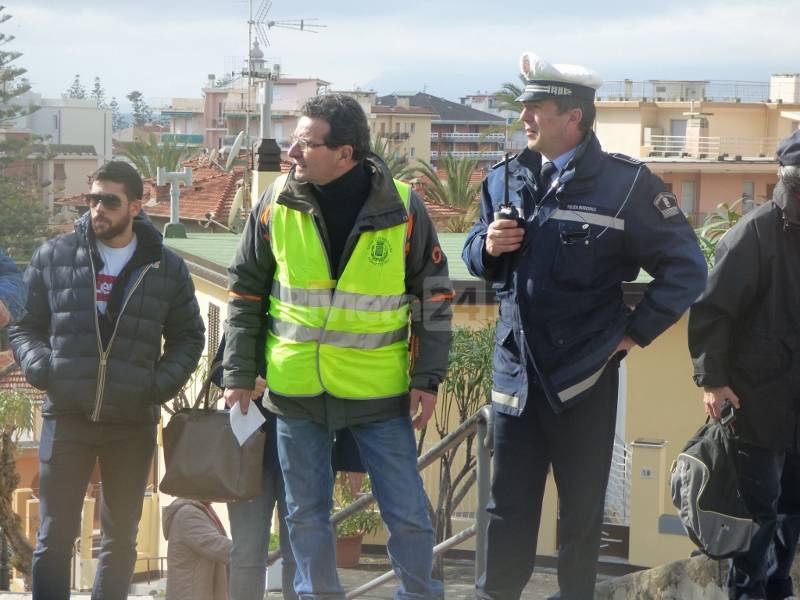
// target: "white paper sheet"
[[244, 426]]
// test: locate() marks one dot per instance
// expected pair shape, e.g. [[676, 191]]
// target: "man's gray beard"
[[111, 231]]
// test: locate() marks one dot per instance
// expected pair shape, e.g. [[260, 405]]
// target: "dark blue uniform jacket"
[[561, 303]]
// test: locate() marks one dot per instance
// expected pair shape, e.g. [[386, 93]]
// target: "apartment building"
[[710, 141], [458, 130], [228, 103]]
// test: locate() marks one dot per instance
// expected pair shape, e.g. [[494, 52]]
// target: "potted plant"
[[350, 532]]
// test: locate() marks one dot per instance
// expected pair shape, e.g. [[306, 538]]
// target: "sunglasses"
[[110, 201]]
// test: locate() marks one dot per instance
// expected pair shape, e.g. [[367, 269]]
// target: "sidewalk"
[[459, 582]]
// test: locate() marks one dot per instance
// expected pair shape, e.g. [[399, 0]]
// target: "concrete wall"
[[619, 129], [69, 121]]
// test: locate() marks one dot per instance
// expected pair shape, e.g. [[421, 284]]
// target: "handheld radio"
[[507, 210]]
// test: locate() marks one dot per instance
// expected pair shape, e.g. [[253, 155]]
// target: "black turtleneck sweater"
[[340, 201]]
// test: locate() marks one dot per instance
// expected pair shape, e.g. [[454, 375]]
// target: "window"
[[55, 121], [412, 152], [59, 173], [748, 190], [383, 128], [413, 127], [688, 200]]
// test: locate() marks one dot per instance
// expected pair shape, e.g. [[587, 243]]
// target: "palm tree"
[[16, 417], [456, 189], [506, 98], [715, 226], [148, 155], [397, 163]]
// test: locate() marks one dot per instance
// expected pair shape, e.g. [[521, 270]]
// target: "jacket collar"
[[579, 173], [789, 204], [383, 200], [150, 244]]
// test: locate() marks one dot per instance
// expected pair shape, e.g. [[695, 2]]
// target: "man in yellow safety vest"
[[341, 265]]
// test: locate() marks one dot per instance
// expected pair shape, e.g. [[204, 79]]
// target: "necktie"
[[546, 176]]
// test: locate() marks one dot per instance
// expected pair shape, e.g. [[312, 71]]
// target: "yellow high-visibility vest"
[[347, 337]]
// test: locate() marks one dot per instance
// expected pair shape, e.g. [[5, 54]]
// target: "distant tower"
[[257, 63]]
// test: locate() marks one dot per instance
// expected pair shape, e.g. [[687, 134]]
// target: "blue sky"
[[450, 48]]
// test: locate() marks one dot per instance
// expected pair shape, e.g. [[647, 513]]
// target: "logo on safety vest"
[[379, 251]]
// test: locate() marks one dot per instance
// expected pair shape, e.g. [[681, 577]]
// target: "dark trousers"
[[578, 444], [770, 483], [67, 452]]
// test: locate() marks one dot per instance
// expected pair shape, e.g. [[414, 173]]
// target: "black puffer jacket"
[[114, 373]]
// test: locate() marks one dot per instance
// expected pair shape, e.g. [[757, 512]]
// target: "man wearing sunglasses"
[[112, 330]]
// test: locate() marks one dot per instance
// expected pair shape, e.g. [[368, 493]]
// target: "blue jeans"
[[68, 449], [388, 451], [251, 521]]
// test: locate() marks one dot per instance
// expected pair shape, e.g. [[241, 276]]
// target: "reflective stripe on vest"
[[349, 336]]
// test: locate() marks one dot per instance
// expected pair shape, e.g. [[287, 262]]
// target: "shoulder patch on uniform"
[[502, 162], [667, 204], [625, 158]]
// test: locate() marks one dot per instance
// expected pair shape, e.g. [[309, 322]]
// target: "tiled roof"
[[11, 378], [447, 110], [212, 191]]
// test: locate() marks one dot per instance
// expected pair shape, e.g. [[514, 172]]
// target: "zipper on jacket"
[[101, 370]]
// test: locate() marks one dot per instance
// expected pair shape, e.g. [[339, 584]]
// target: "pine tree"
[[117, 120], [23, 223], [99, 93], [141, 112], [76, 90]]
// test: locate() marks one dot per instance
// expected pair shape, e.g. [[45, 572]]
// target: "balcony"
[[709, 148], [467, 154], [684, 91], [497, 138]]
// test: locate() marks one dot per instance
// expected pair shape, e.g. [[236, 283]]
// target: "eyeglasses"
[[305, 145], [110, 201]]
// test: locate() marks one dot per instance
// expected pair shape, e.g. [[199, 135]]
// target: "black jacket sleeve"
[[30, 338], [249, 280], [184, 336], [732, 286], [428, 284]]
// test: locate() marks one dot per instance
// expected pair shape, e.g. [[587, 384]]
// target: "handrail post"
[[484, 475]]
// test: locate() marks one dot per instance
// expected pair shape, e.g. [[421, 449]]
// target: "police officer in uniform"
[[743, 337], [558, 235]]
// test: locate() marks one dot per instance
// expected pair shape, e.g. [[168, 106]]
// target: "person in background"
[[744, 338], [12, 291], [198, 551]]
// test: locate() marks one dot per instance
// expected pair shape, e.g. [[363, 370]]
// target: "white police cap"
[[545, 80]]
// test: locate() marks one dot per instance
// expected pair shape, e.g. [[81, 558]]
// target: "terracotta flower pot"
[[348, 551]]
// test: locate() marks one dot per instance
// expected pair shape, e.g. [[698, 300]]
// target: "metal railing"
[[683, 91], [479, 424], [488, 155], [473, 137], [618, 491], [710, 147]]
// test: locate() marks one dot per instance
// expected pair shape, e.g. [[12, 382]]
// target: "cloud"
[[473, 49]]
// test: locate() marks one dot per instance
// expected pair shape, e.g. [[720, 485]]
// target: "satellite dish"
[[236, 207], [234, 153]]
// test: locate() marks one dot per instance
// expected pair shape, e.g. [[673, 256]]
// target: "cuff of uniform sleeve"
[[710, 380]]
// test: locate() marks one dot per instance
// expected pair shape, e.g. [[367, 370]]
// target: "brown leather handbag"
[[204, 461]]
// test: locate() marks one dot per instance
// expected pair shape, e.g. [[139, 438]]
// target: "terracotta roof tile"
[[212, 191], [11, 378]]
